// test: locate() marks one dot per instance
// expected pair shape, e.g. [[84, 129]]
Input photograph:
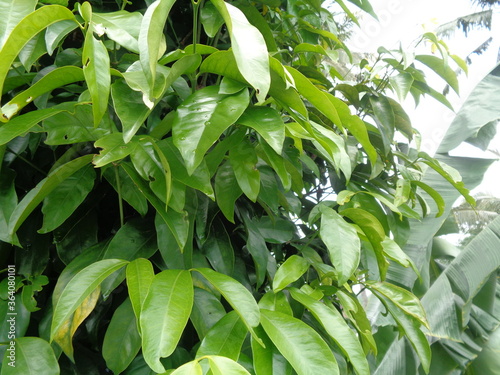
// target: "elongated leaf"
[[52, 80], [79, 288], [402, 84], [190, 368], [42, 189], [56, 32], [222, 366], [113, 149], [438, 199], [122, 340], [151, 38], [65, 198], [337, 328], [225, 338], [249, 48], [268, 360], [202, 118], [140, 275], [441, 68], [218, 249], [227, 190], [207, 311], [33, 356], [290, 271], [342, 241], [165, 313], [268, 123], [394, 252], [210, 19], [31, 25], [122, 27], [95, 60], [236, 294], [243, 159], [14, 11], [64, 336], [300, 344]]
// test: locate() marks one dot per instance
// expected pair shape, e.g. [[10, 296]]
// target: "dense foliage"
[[189, 186]]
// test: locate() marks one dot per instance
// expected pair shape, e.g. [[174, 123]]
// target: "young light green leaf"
[[403, 190], [14, 11], [65, 198], [243, 159], [210, 19], [225, 338], [249, 48], [302, 346], [202, 118], [441, 68], [290, 271], [122, 27], [79, 288], [34, 356], [25, 30], [122, 341], [140, 275], [190, 368], [165, 313], [42, 189], [113, 149], [268, 123], [337, 328], [95, 60], [394, 252], [440, 203], [402, 84], [56, 32], [342, 241], [223, 366]]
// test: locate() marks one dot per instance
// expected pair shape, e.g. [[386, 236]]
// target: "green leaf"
[[401, 120], [151, 38], [268, 123], [236, 294], [25, 30], [210, 19], [402, 84], [394, 252], [14, 11], [222, 366], [140, 275], [79, 288], [201, 119], [42, 189], [96, 64], [337, 328], [207, 311], [65, 198], [122, 340], [225, 338], [290, 271], [441, 68], [56, 32], [33, 356], [342, 242], [218, 249], [227, 190], [384, 116], [441, 204], [121, 26], [190, 368], [164, 315], [243, 159], [113, 149], [302, 346], [249, 48], [54, 79], [268, 360], [403, 190]]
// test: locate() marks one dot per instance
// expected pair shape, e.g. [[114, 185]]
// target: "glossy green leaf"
[[291, 270], [243, 160], [56, 78], [96, 64], [384, 116], [122, 340], [268, 360], [236, 294], [438, 199], [56, 32], [42, 189], [402, 121], [276, 302], [33, 356], [151, 38], [122, 27], [14, 11], [22, 33], [249, 48], [300, 344], [210, 19], [394, 252], [165, 313], [277, 162], [402, 84], [113, 149], [176, 222], [342, 241], [207, 311], [440, 67], [225, 338], [79, 288], [337, 328], [268, 123], [140, 275], [222, 366], [66, 197], [218, 249], [190, 368], [201, 119], [403, 190], [227, 190]]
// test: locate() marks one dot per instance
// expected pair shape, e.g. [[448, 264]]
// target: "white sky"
[[403, 21]]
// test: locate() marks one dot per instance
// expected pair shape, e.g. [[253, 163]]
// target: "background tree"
[[192, 186]]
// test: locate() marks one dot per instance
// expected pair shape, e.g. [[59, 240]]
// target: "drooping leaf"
[[441, 68], [113, 149], [243, 160], [210, 19], [300, 344], [140, 275], [201, 119], [207, 311], [227, 190], [165, 313], [291, 270]]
